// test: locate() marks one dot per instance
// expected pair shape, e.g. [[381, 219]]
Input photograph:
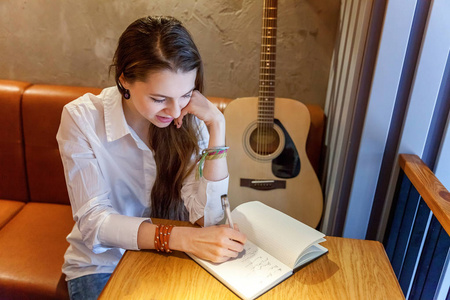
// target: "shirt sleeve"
[[101, 226], [201, 196]]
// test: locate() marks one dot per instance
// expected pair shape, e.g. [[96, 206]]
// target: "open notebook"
[[276, 245]]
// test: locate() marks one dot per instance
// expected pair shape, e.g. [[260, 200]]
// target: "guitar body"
[[282, 177]]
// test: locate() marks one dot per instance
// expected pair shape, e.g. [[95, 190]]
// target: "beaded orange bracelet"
[[157, 239], [162, 237], [167, 232]]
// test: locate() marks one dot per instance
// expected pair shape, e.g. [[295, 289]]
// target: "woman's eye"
[[187, 96], [158, 100]]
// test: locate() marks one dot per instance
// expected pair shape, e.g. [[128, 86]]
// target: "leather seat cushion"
[[8, 209], [32, 247]]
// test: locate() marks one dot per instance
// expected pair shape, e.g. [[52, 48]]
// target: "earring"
[[126, 95]]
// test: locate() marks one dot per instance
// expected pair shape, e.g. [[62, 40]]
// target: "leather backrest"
[[315, 146], [42, 107], [41, 112], [13, 180], [220, 102]]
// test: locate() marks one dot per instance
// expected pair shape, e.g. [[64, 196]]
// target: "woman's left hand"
[[206, 111], [202, 108]]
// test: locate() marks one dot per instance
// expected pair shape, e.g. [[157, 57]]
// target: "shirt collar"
[[115, 123]]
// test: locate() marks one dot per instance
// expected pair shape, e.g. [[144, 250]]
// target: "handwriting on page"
[[258, 266], [253, 271]]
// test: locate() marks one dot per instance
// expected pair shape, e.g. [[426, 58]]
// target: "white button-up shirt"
[[109, 173]]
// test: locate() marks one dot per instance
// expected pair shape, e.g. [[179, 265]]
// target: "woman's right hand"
[[215, 243]]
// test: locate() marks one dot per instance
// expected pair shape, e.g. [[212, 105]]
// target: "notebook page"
[[249, 275], [277, 233], [311, 253]]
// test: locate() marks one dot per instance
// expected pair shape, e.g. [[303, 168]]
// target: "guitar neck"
[[266, 99]]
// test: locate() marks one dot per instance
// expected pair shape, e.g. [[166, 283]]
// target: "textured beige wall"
[[71, 42]]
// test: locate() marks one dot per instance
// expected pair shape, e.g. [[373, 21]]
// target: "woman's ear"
[[123, 81]]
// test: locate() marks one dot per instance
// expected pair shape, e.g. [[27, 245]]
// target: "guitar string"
[[262, 113], [265, 94], [271, 22], [268, 57], [264, 71], [259, 125]]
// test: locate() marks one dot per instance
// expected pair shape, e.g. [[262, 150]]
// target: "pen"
[[226, 207]]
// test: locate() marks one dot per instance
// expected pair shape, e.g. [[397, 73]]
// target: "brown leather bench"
[[35, 210], [35, 213]]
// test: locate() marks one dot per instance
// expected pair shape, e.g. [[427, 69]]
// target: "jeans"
[[87, 287]]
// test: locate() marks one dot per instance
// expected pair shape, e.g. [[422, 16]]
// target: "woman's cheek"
[[184, 102]]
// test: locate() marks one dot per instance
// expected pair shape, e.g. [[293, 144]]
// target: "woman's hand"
[[203, 109], [216, 243]]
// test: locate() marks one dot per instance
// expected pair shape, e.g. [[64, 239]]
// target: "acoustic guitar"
[[267, 136]]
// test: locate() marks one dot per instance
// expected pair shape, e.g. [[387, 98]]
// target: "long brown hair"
[[153, 44]]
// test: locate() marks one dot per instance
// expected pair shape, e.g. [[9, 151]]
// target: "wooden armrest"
[[429, 187]]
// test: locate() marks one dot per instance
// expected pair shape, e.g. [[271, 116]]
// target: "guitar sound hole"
[[264, 141]]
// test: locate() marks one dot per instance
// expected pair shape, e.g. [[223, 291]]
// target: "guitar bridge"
[[263, 185]]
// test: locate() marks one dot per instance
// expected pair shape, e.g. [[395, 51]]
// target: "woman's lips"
[[164, 119]]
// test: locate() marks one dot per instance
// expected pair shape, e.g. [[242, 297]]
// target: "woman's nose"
[[173, 109]]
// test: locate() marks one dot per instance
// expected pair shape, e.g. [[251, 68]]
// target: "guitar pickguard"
[[287, 164]]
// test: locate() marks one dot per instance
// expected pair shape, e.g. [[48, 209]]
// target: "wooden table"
[[352, 269]]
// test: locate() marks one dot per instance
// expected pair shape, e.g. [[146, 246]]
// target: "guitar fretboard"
[[266, 99]]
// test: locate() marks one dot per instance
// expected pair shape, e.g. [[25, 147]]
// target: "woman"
[[130, 153]]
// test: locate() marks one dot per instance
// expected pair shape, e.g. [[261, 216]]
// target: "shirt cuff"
[[213, 211], [121, 231]]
